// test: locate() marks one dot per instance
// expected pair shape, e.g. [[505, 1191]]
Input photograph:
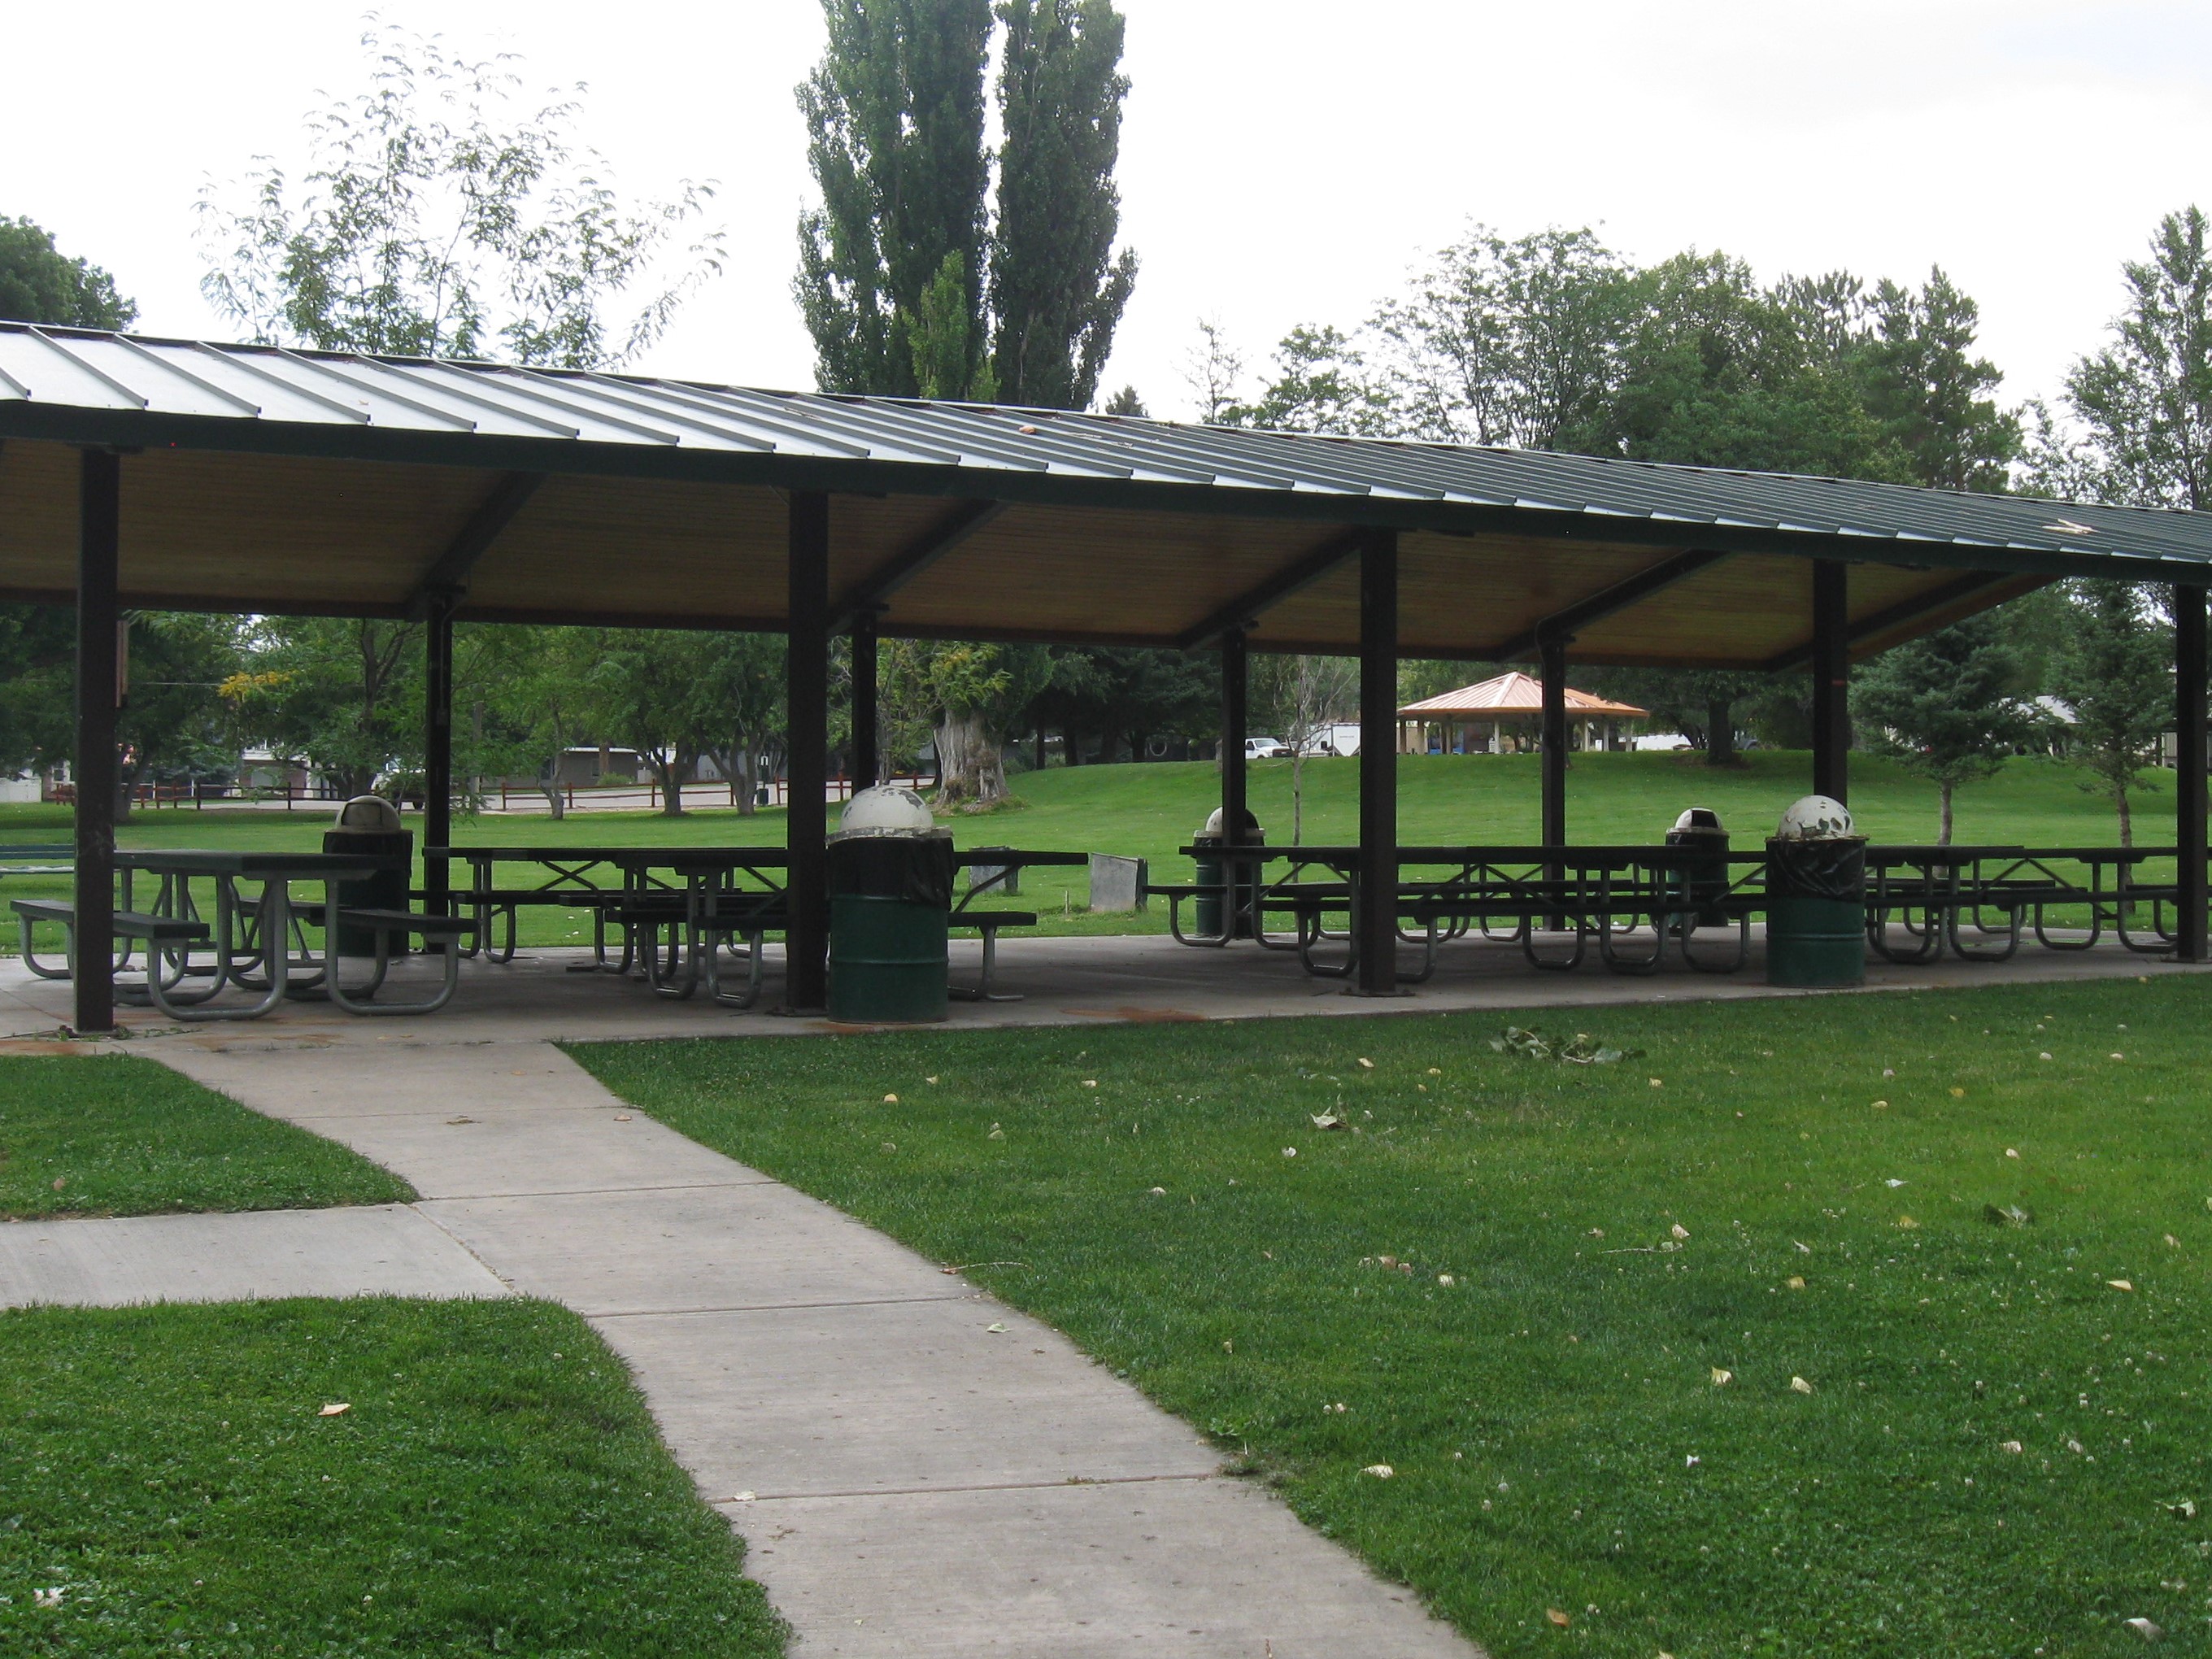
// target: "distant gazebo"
[[1505, 715]]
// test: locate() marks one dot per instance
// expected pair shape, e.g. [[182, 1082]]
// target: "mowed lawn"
[[1870, 1325], [169, 1484], [113, 1135], [1150, 810]]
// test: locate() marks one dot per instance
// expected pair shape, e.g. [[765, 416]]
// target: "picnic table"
[[1005, 865], [1601, 892], [250, 942]]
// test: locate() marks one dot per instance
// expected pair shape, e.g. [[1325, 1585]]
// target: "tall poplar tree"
[[890, 265], [1057, 287]]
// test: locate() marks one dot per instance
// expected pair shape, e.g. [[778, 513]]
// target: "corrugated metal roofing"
[[76, 386], [1514, 692]]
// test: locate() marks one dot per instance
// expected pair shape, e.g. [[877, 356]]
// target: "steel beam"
[[1302, 572], [448, 575], [1630, 591], [1832, 680], [806, 940], [872, 591], [2189, 735], [98, 665], [1553, 670], [1376, 925]]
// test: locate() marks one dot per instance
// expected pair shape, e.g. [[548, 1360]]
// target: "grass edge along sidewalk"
[[1854, 1325], [183, 1479], [115, 1135]]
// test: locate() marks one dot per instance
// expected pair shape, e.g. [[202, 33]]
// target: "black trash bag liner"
[[917, 869], [1817, 869]]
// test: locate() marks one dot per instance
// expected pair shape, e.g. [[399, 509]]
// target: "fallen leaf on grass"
[[2174, 1242], [1881, 1105], [1435, 1071], [1380, 1471], [1365, 1064], [1958, 1094], [2119, 1284], [1893, 1182], [49, 1598], [1799, 1385], [1446, 1280], [2012, 1446], [338, 1410], [1290, 1152], [891, 1100], [1090, 1083], [997, 1134], [2077, 1447], [2185, 1509], [1906, 1222], [2144, 1628], [1794, 1282], [2119, 1056], [1558, 1619], [1159, 1192], [929, 1080], [1679, 1231], [2012, 1151], [60, 1181], [1721, 1378], [1329, 1121], [2007, 1215]]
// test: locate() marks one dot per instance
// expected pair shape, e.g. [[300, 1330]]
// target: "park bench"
[[57, 857], [138, 927], [988, 923], [385, 925]]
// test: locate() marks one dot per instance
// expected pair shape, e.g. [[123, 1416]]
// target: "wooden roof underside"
[[218, 531]]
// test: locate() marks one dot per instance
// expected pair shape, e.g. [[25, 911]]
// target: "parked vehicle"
[[1265, 748]]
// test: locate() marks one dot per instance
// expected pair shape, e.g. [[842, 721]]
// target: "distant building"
[[1505, 715]]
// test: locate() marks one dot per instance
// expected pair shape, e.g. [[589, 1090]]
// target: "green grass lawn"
[[1517, 1283], [113, 1135], [495, 1486], [1149, 810]]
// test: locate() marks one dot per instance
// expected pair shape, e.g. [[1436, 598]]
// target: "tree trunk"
[[1943, 824], [2127, 817], [1072, 743], [1299, 796], [671, 789], [1040, 749], [1720, 733], [969, 767], [740, 773]]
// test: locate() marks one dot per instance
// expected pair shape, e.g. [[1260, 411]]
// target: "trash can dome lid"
[[886, 810], [371, 813], [1698, 818], [1213, 823], [1815, 817]]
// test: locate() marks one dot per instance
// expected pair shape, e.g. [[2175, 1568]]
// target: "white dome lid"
[[886, 810], [1698, 818], [1816, 817], [368, 812]]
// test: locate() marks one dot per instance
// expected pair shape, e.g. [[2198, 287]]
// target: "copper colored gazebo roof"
[[1514, 695]]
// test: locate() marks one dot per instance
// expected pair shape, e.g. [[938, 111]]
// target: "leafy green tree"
[[1945, 706], [2114, 668], [1320, 384], [2145, 400], [40, 283], [975, 693], [438, 219], [1513, 342], [343, 694], [891, 263], [1126, 401], [1057, 289]]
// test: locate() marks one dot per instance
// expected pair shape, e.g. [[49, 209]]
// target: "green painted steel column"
[[99, 663]]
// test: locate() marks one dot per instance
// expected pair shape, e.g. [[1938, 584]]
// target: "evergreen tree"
[[40, 283], [1929, 393], [1944, 705], [891, 263], [1056, 288], [2115, 669]]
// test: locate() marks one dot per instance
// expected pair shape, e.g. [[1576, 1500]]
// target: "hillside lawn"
[[1855, 1325], [1149, 810]]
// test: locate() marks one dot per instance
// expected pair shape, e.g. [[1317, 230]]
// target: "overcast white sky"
[[1283, 161]]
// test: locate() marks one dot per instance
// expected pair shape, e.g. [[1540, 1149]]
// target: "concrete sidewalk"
[[383, 1250], [917, 1469]]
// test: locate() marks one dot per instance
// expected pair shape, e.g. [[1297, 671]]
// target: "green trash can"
[[1816, 898], [1212, 872], [368, 827], [891, 896]]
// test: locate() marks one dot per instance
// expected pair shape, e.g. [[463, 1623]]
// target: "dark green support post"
[[806, 940], [438, 756], [2189, 735], [1832, 677], [100, 522], [867, 765], [1376, 925]]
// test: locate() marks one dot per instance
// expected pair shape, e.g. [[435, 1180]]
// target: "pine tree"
[[2114, 668], [1944, 705]]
